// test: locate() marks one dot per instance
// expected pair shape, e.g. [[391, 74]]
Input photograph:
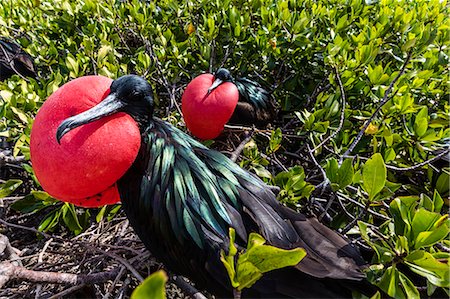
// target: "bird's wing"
[[253, 93], [203, 193], [11, 53]]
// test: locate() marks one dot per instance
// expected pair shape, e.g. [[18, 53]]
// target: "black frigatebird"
[[181, 198], [14, 60]]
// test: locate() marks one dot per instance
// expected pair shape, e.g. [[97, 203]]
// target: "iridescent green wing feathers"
[[251, 92], [202, 191]]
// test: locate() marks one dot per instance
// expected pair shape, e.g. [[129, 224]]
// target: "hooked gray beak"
[[110, 105], [215, 84]]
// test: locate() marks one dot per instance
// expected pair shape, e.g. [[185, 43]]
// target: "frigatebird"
[[14, 60], [255, 106], [228, 100], [181, 198]]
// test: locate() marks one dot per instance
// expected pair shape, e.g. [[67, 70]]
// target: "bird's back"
[[181, 198], [255, 106]]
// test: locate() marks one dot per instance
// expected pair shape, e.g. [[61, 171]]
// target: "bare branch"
[[9, 271], [186, 287], [437, 157], [413, 167], [235, 154], [382, 103], [341, 120]]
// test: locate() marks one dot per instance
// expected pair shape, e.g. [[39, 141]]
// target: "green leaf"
[[275, 140], [345, 173], [153, 287], [410, 289], [424, 264], [390, 283], [374, 175], [437, 202], [70, 218], [9, 187], [229, 260], [428, 228], [267, 258], [421, 122], [402, 209], [256, 260], [34, 202]]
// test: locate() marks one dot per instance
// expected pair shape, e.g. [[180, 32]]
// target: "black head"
[[221, 75], [224, 75], [131, 94]]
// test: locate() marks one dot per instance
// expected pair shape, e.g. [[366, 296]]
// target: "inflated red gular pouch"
[[85, 167], [206, 114]]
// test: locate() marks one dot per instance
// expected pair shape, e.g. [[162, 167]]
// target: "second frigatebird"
[[181, 198], [211, 101], [14, 60]]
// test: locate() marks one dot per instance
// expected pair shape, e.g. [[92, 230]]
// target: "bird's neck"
[[143, 116]]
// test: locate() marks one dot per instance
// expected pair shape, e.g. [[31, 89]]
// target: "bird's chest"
[[152, 224]]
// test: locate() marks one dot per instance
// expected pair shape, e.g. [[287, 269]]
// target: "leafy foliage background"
[[382, 195]]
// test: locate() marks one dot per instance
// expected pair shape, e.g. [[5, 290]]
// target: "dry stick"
[[225, 57], [353, 222], [187, 288], [116, 280], [67, 291], [415, 166], [324, 175], [121, 260], [7, 249], [112, 255], [381, 216], [9, 271], [383, 102], [438, 156], [235, 154], [40, 260], [318, 89], [341, 120], [6, 158]]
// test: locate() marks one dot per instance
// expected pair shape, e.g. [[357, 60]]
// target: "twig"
[[438, 156], [149, 47], [10, 253], [324, 175], [6, 157], [235, 154], [341, 120], [225, 57], [413, 167], [9, 271], [353, 222], [317, 90], [40, 260], [122, 261], [382, 103], [116, 280], [349, 215], [441, 247], [187, 288], [381, 216], [212, 55], [67, 291]]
